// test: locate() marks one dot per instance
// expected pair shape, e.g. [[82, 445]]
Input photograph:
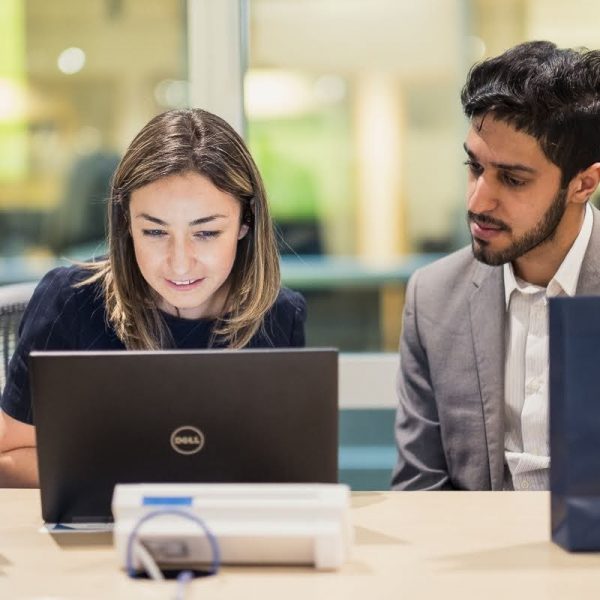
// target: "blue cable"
[[183, 579], [186, 575]]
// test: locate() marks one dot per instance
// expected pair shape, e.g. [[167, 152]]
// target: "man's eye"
[[206, 235], [474, 167], [153, 232], [512, 181]]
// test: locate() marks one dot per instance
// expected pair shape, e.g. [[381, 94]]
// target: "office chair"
[[13, 301]]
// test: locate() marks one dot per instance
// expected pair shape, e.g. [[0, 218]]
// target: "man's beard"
[[542, 232]]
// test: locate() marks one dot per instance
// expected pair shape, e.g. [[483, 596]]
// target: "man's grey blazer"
[[450, 417]]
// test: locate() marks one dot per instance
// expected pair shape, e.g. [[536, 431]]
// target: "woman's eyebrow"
[[199, 221]]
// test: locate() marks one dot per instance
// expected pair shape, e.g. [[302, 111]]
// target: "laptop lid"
[[179, 416]]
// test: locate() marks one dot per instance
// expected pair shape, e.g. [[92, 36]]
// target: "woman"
[[192, 263]]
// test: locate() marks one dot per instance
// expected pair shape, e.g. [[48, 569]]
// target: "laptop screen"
[[179, 416]]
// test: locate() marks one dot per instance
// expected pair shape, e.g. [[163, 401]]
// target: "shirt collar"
[[566, 277]]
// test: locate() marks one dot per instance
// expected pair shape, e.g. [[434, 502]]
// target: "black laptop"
[[179, 416]]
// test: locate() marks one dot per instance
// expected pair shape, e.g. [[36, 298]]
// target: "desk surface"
[[441, 545]]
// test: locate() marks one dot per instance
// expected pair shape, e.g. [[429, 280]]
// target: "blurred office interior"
[[350, 107]]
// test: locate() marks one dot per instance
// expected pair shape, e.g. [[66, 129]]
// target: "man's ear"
[[243, 231], [584, 184]]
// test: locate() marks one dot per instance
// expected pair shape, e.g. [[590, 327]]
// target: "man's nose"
[[481, 196]]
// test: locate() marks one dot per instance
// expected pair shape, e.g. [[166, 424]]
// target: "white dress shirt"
[[526, 444]]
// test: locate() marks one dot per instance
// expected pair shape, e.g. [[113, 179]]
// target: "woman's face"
[[185, 233]]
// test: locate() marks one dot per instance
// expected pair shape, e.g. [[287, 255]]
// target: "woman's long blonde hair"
[[181, 141]]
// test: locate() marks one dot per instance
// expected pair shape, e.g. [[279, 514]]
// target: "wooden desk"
[[439, 545]]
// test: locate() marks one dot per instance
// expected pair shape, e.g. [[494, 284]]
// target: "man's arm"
[[421, 461], [18, 457]]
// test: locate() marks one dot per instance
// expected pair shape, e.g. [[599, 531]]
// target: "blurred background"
[[350, 107]]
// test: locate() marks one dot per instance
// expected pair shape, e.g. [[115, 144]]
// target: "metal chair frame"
[[13, 302]]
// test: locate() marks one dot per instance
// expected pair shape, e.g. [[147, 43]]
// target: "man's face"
[[514, 199]]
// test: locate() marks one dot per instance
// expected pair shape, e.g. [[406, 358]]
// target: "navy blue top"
[[62, 317]]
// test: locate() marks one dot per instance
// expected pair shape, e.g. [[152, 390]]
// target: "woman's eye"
[[154, 232], [206, 235]]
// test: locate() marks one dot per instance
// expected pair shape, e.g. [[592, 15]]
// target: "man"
[[473, 381]]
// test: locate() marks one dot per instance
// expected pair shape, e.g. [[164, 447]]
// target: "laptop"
[[245, 416]]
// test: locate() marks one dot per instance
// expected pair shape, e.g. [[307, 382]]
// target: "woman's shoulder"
[[62, 297], [283, 325], [66, 275], [289, 302], [63, 284], [65, 311]]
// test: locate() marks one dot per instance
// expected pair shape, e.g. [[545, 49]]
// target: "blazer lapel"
[[487, 310], [589, 276]]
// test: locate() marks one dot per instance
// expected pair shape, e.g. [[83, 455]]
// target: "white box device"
[[252, 523]]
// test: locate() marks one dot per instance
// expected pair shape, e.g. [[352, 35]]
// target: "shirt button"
[[525, 484]]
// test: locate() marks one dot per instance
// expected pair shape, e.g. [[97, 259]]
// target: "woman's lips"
[[184, 285]]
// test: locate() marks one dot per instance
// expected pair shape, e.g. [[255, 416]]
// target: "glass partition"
[[352, 113], [77, 80], [354, 118]]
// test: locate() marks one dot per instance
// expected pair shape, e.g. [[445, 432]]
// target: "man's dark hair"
[[550, 93]]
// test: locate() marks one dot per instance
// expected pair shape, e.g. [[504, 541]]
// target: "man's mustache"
[[487, 220]]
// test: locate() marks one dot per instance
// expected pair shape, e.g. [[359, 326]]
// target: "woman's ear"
[[584, 184], [243, 231], [247, 220]]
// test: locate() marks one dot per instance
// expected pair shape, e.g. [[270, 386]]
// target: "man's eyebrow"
[[503, 166], [193, 223]]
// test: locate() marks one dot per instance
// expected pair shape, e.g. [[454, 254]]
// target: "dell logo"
[[187, 440]]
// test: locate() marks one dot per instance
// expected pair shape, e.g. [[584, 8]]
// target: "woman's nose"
[[181, 257]]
